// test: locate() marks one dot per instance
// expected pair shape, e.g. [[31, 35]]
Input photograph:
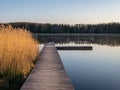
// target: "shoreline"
[[66, 34]]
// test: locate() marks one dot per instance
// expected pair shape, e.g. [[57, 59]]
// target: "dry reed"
[[18, 51]]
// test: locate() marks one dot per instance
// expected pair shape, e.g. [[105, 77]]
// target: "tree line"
[[109, 28]]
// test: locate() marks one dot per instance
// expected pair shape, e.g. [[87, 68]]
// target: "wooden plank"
[[49, 72], [74, 47]]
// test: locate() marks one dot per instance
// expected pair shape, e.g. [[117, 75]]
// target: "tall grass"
[[18, 51]]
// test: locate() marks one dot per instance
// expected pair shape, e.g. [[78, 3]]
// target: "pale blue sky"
[[60, 11]]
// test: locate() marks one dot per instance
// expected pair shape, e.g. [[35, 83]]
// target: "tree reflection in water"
[[111, 40]]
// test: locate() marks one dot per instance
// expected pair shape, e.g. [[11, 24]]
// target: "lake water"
[[97, 69]]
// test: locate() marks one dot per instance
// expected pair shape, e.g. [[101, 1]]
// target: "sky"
[[60, 11]]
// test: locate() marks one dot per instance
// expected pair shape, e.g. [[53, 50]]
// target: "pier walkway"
[[49, 72]]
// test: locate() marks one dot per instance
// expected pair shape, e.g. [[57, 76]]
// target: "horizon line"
[[60, 23]]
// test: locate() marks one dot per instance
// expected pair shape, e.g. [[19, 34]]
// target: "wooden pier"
[[49, 72], [74, 47]]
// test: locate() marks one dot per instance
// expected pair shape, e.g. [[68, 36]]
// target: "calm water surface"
[[98, 69]]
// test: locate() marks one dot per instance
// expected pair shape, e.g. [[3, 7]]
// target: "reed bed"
[[18, 51]]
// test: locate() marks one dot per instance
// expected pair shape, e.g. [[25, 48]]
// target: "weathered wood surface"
[[49, 73], [74, 47]]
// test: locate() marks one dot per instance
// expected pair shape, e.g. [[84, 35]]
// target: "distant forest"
[[109, 28]]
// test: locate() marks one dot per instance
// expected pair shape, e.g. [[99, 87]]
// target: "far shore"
[[72, 34]]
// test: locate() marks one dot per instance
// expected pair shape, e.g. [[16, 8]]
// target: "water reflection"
[[93, 70], [98, 69], [112, 40]]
